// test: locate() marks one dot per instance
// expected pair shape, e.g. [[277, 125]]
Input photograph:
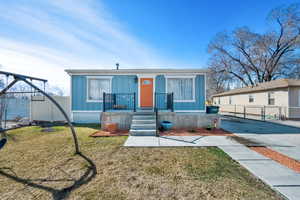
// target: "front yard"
[[41, 165]]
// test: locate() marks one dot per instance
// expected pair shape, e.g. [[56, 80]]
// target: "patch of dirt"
[[48, 129], [196, 132], [102, 133], [278, 157]]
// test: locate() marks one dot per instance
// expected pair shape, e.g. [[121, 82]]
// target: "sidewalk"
[[279, 177], [178, 141], [282, 137]]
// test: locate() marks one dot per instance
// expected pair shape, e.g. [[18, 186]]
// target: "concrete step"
[[143, 121], [143, 126], [144, 113], [148, 132], [141, 117]]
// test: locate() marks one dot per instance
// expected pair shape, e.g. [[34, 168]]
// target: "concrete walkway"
[[279, 177], [284, 139], [281, 138], [179, 141]]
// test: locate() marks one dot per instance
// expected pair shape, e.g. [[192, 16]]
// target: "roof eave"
[[245, 92], [133, 71]]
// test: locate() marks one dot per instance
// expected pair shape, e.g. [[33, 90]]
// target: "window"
[[251, 98], [230, 100], [271, 98], [96, 86], [147, 82], [183, 88]]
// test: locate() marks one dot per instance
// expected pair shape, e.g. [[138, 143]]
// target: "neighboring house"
[[95, 91], [281, 96]]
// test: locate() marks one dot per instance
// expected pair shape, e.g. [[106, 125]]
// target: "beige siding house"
[[280, 98]]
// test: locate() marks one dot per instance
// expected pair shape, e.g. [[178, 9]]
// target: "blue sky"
[[43, 37]]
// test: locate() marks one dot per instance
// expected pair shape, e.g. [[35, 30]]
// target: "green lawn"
[[41, 165]]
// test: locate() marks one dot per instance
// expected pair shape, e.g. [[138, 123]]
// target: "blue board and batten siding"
[[89, 112], [197, 105]]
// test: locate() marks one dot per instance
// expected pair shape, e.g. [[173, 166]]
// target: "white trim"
[[88, 111], [147, 75], [100, 111], [189, 110], [139, 89], [71, 94], [139, 92], [135, 71], [87, 86], [100, 77], [183, 77]]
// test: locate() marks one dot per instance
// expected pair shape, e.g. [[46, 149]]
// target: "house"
[[278, 97], [99, 95]]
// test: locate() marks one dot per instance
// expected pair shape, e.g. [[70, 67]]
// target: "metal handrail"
[[167, 99], [156, 121], [111, 100]]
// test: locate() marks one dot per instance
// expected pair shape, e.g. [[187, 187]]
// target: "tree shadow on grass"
[[63, 193]]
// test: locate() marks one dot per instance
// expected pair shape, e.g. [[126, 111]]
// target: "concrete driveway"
[[281, 138]]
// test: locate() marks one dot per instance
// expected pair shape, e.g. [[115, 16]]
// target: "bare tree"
[[253, 57], [217, 81]]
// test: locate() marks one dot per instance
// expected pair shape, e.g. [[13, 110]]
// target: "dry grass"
[[41, 165]]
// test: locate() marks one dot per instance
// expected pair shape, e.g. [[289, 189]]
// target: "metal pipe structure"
[[19, 77], [77, 151], [3, 91]]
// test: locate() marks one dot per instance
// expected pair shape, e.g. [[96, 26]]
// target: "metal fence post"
[[280, 113], [262, 113], [114, 100], [134, 106], [244, 112], [103, 104], [235, 110], [172, 102]]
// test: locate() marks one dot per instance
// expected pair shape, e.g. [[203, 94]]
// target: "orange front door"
[[146, 90]]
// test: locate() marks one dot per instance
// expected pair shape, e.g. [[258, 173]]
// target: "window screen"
[[271, 98], [96, 87], [251, 98], [182, 88]]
